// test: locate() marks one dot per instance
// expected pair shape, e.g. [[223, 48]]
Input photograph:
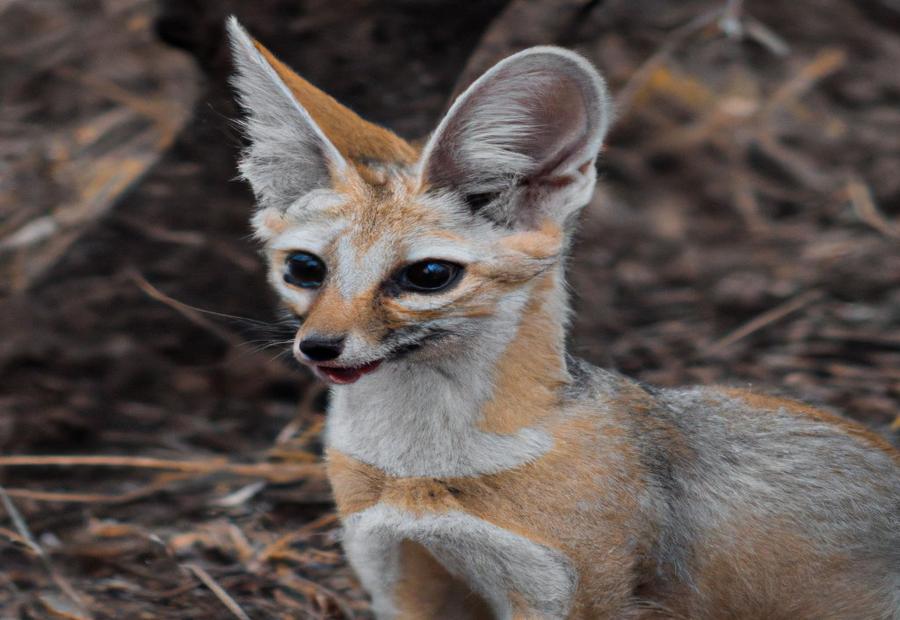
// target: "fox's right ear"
[[519, 145], [288, 154]]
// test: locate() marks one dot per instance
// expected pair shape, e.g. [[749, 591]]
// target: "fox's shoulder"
[[705, 415], [745, 412]]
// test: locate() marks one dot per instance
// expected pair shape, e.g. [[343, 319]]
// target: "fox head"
[[388, 253]]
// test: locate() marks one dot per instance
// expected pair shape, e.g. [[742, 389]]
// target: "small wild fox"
[[479, 470]]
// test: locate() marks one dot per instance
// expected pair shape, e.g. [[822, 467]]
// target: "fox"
[[478, 468]]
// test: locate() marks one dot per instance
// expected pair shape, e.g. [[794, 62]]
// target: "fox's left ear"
[[519, 145], [300, 138]]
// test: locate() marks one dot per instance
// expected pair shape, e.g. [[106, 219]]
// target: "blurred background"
[[157, 448]]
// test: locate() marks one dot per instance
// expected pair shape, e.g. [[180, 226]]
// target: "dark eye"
[[429, 275], [476, 202], [304, 270]]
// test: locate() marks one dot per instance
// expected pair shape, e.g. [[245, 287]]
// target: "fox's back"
[[761, 503]]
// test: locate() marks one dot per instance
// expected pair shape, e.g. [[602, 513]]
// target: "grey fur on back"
[[737, 490]]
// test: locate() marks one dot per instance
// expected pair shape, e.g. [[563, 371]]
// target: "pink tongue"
[[342, 375], [346, 376]]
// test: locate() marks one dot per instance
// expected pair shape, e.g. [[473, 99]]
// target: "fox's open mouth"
[[344, 375]]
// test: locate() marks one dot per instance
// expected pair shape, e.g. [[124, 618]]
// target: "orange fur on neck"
[[531, 370]]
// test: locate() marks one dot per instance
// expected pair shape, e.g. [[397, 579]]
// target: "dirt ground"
[[158, 450]]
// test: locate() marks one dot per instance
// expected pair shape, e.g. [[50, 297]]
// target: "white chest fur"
[[423, 421], [493, 561]]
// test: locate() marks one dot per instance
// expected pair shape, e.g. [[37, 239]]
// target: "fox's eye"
[[429, 276], [304, 270], [477, 201]]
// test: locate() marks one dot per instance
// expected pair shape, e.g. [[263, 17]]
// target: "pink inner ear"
[[562, 121], [534, 118]]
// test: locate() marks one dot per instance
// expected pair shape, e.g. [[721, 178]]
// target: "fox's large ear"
[[519, 144], [300, 138], [288, 153]]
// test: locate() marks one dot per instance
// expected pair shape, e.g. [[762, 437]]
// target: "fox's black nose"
[[321, 349]]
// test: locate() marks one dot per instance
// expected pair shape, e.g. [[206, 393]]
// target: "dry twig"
[[26, 536], [273, 472], [302, 533], [315, 591], [218, 590], [867, 211], [162, 482], [775, 314], [673, 41]]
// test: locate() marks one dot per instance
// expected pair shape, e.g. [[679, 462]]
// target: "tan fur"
[[521, 610], [586, 507], [427, 590], [544, 501], [525, 255], [274, 223], [541, 244], [379, 212], [331, 315], [551, 501], [356, 485], [567, 500], [531, 370], [356, 139], [767, 402], [730, 583]]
